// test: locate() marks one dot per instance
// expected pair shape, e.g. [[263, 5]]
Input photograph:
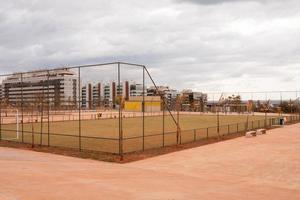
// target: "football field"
[[103, 134]]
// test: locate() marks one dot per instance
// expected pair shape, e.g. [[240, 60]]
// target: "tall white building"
[[96, 95], [60, 86], [170, 95]]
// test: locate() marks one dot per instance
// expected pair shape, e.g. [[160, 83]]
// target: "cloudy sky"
[[207, 45]]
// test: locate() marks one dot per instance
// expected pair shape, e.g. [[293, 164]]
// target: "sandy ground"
[[264, 167]]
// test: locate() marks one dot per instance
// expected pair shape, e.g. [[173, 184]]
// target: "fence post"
[[163, 103], [0, 118], [120, 120], [228, 129], [32, 136], [143, 108], [180, 138], [237, 128], [48, 96], [218, 124], [22, 108], [194, 135], [79, 104], [266, 121], [42, 113], [207, 133], [32, 130]]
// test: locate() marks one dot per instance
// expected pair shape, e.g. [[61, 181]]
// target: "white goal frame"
[[17, 119]]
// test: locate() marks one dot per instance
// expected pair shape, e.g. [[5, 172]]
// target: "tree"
[[234, 102], [289, 106]]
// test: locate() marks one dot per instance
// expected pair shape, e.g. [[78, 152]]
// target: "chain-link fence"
[[118, 108]]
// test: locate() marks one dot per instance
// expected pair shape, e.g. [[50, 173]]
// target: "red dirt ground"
[[264, 167]]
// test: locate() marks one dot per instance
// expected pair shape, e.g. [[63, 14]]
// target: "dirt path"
[[265, 167]]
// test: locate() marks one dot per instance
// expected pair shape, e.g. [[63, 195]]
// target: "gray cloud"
[[210, 2], [224, 46]]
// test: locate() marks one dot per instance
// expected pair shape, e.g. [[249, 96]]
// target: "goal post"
[[10, 124]]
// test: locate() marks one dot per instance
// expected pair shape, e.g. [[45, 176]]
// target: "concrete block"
[[250, 134], [261, 131]]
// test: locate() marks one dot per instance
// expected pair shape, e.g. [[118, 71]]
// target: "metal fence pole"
[[218, 123], [32, 128], [48, 102], [167, 106], [22, 108], [298, 107], [120, 116], [163, 123], [42, 114], [247, 123], [177, 130], [228, 129], [79, 111], [280, 114], [207, 133], [143, 108], [252, 107], [214, 107], [0, 118], [266, 119]]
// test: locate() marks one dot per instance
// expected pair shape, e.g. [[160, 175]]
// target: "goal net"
[[10, 124]]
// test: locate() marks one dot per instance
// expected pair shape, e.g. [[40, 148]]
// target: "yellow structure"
[[152, 104]]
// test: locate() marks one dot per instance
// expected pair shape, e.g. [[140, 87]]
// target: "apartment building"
[[106, 94], [59, 86], [136, 89], [193, 101], [170, 95], [91, 96]]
